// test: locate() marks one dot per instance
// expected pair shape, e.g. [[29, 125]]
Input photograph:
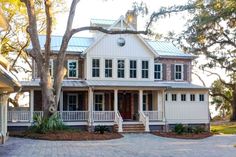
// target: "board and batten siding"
[[107, 48], [187, 112]]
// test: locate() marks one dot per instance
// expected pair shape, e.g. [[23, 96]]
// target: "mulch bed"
[[66, 136], [183, 136]]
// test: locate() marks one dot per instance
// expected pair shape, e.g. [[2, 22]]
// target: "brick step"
[[131, 128]]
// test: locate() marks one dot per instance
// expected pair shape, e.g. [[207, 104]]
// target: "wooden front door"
[[124, 105]]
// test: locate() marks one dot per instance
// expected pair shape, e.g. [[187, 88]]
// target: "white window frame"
[[133, 69], [68, 105], [185, 96], [161, 72], [166, 96], [182, 72], [99, 68], [146, 102], [108, 68], [103, 101], [120, 68], [68, 72], [203, 97], [147, 69], [191, 97], [175, 97], [51, 66]]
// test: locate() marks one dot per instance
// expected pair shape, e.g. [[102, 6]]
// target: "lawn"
[[225, 128]]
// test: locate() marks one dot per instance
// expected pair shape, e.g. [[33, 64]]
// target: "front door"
[[124, 105]]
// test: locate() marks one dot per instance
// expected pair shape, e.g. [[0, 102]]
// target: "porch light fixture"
[[121, 42]]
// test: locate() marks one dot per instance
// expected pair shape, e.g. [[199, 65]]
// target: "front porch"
[[99, 107]]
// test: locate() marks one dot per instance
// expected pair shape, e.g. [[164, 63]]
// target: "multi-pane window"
[[174, 97], [95, 67], [51, 67], [178, 71], [144, 69], [158, 71], [72, 68], [192, 97], [72, 102], [121, 68], [99, 102], [108, 68], [201, 97], [145, 102], [183, 97], [133, 69]]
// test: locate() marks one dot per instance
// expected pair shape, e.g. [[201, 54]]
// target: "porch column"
[[140, 101], [31, 105], [161, 100], [61, 102], [3, 118], [90, 106], [116, 100]]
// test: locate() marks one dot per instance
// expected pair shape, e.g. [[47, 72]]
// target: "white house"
[[126, 81]]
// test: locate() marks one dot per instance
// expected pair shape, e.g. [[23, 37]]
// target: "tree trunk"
[[233, 118]]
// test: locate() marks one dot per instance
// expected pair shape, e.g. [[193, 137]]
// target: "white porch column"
[[90, 106], [61, 103], [161, 105], [116, 100], [31, 105], [140, 108], [3, 118]]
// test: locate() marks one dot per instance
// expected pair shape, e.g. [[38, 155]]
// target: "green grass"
[[226, 128]]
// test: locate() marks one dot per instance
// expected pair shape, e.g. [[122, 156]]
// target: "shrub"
[[43, 125], [179, 129], [198, 130], [189, 129], [101, 129]]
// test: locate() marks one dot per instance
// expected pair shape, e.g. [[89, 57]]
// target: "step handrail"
[[119, 121], [145, 120]]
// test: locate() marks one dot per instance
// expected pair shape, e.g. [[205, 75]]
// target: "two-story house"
[[123, 80]]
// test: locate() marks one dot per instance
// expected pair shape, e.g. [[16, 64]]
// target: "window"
[[145, 102], [95, 67], [192, 97], [144, 69], [166, 97], [51, 67], [108, 68], [72, 102], [183, 97], [133, 69], [72, 68], [174, 97], [178, 72], [121, 68], [158, 71], [201, 97], [98, 102]]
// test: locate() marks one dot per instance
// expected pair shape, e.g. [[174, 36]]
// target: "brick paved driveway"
[[135, 145]]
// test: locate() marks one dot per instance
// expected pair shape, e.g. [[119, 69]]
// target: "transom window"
[[192, 97], [72, 102], [183, 97], [98, 102], [121, 68], [174, 97], [95, 68], [51, 67], [133, 69], [178, 72], [158, 71], [145, 102], [201, 97], [72, 68], [144, 69], [108, 68]]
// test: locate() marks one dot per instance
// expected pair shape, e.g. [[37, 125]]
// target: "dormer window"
[[72, 68]]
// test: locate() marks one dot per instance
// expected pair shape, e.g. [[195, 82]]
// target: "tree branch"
[[221, 95]]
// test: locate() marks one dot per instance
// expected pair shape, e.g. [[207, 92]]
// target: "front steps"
[[131, 128]]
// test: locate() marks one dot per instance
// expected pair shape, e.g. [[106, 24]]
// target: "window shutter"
[[164, 71], [185, 72], [65, 65], [172, 72]]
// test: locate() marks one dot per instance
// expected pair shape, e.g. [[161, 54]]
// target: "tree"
[[212, 33]]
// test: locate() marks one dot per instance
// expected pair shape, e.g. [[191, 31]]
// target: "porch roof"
[[183, 85]]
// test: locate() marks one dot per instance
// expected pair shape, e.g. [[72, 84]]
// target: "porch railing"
[[145, 120], [153, 115], [18, 116], [103, 115], [74, 115]]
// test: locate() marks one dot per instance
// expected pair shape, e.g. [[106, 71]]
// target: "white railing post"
[[31, 105], [119, 121], [116, 101], [90, 106]]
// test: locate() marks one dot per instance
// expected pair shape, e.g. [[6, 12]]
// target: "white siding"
[[107, 48], [187, 112]]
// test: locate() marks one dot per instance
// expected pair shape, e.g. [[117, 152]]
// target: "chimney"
[[131, 18]]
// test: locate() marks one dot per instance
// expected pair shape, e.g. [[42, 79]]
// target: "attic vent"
[[121, 42]]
